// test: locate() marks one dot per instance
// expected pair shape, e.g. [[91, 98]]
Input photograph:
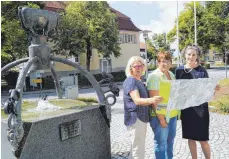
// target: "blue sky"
[[156, 16]]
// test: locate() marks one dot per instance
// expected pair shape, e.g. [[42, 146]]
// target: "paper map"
[[187, 92]]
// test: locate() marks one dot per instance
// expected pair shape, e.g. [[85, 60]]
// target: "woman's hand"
[[156, 100], [163, 123]]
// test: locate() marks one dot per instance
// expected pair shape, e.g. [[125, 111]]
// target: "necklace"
[[187, 71]]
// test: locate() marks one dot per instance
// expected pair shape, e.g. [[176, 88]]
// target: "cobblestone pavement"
[[219, 138]]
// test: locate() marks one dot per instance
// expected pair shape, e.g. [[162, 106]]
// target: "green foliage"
[[88, 25], [159, 41], [158, 44], [186, 25], [212, 26], [11, 78], [222, 104], [224, 82], [207, 66], [14, 39], [151, 68], [151, 50]]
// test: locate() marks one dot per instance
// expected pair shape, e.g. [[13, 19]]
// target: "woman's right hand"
[[156, 100]]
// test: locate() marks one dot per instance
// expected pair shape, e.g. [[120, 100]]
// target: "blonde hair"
[[130, 63]]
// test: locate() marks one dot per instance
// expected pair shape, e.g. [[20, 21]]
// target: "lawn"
[[221, 98]]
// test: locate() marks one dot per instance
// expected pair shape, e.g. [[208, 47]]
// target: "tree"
[[88, 25], [212, 26], [186, 25], [160, 43], [13, 37], [215, 28], [151, 51]]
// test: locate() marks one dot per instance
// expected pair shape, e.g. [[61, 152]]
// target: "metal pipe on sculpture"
[[13, 64], [13, 108], [38, 23], [56, 81], [94, 83]]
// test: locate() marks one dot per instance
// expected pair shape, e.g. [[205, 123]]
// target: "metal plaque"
[[70, 129]]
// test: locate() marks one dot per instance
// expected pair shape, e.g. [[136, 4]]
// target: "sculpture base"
[[83, 134]]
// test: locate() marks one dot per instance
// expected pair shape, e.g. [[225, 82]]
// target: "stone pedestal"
[[78, 135]]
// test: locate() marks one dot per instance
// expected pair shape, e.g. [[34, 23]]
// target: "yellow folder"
[[164, 91]]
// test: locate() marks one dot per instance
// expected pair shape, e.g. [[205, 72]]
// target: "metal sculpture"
[[38, 23], [113, 88]]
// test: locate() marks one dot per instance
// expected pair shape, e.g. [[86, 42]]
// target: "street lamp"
[[145, 36], [178, 51], [226, 60], [195, 22]]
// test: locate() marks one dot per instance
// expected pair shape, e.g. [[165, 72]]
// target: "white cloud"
[[111, 2], [166, 18], [145, 2]]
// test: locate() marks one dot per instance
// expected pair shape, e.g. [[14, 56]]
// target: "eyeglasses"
[[138, 66]]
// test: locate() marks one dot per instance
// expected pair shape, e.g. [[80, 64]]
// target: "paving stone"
[[219, 139]]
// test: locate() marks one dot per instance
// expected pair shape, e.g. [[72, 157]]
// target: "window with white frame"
[[74, 58], [127, 38], [105, 65]]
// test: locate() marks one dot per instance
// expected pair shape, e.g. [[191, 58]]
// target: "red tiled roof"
[[124, 22], [55, 4], [127, 24], [119, 14]]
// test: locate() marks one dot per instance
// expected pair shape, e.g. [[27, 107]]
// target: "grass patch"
[[90, 99], [221, 105], [224, 82]]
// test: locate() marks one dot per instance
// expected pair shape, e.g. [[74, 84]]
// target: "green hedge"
[[11, 78], [206, 66]]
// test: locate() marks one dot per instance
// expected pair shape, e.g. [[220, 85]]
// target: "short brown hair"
[[164, 55]]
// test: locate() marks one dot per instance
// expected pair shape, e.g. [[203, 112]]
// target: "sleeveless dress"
[[194, 120]]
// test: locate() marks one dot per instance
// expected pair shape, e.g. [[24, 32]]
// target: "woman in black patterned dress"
[[195, 120]]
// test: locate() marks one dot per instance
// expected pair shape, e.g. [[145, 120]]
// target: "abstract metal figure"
[[38, 23], [113, 88]]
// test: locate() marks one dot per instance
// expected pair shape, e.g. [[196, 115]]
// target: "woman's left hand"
[[217, 88]]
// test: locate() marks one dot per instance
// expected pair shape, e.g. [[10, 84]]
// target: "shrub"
[[151, 68], [206, 66], [222, 104], [119, 76], [11, 78], [47, 83]]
